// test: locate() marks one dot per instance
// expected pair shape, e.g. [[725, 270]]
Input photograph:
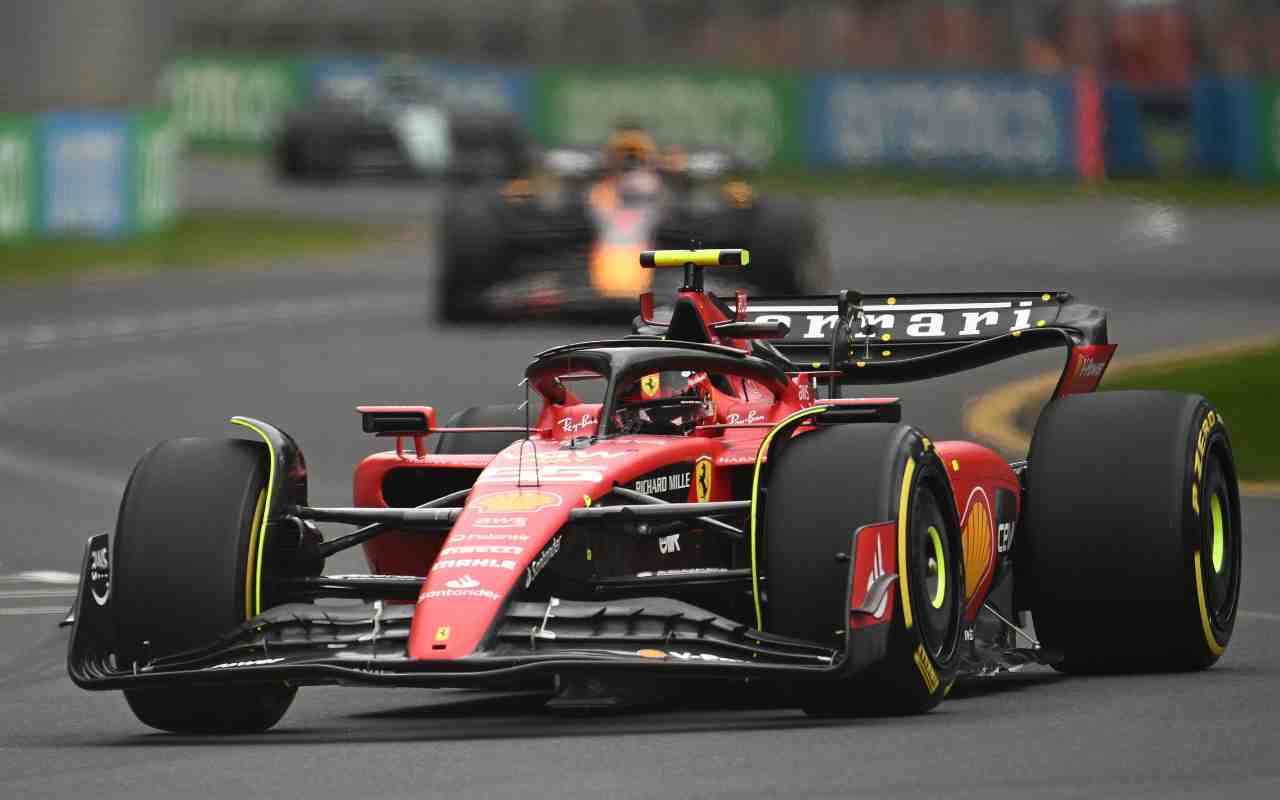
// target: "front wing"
[[305, 643]]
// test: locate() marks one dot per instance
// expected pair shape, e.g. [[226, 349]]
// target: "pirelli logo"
[[927, 672]]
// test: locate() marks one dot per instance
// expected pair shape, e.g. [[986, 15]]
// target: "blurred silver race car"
[[399, 124], [567, 238]]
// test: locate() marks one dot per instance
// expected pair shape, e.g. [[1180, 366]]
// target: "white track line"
[[35, 594], [22, 612], [73, 383], [127, 328], [29, 466], [53, 576], [1266, 615]]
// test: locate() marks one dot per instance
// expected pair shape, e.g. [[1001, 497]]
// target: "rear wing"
[[894, 338]]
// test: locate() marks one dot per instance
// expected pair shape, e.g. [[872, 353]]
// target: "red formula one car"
[[694, 502]]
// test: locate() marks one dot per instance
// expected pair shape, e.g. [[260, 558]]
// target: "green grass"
[[198, 240], [1186, 191], [1243, 387]]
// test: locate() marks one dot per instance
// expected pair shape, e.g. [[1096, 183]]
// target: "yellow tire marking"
[[903, 503], [1209, 638], [256, 607], [755, 493], [254, 527]]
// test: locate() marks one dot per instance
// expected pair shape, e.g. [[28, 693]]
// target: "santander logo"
[[465, 582]]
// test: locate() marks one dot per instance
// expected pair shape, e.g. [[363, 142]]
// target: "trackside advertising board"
[[96, 173], [85, 168], [753, 116], [465, 84], [1267, 127], [19, 177], [1015, 124], [154, 158], [231, 102]]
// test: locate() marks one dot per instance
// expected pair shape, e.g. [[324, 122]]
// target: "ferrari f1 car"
[[565, 241], [693, 502], [398, 125]]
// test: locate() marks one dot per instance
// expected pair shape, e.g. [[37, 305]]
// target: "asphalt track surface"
[[94, 373]]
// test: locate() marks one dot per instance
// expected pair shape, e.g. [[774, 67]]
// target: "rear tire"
[[788, 250], [471, 257], [185, 556], [501, 416], [1132, 551], [823, 487]]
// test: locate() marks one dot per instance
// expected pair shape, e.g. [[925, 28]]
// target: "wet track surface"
[[91, 375]]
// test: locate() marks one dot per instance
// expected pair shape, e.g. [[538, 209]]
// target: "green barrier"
[[156, 153], [232, 102], [19, 177], [1267, 114], [754, 116]]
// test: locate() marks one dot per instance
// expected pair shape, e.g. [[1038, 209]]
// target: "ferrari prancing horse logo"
[[650, 384], [702, 473]]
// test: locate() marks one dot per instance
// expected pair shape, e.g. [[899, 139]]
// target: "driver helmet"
[[688, 403], [630, 148]]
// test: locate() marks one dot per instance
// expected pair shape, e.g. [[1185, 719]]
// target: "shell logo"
[[979, 541], [516, 502]]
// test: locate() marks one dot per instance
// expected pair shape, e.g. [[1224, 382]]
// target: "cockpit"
[[645, 386]]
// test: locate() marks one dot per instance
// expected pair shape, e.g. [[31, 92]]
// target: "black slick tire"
[[1131, 535], [788, 252], [823, 486], [470, 257], [500, 416], [185, 550]]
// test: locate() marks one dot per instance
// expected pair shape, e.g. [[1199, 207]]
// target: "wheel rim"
[[1215, 506], [936, 570], [1220, 547], [931, 555]]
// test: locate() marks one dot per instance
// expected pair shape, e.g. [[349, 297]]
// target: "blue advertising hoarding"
[[1019, 125], [86, 167]]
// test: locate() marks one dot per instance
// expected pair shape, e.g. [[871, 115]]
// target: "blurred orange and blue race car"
[[565, 239]]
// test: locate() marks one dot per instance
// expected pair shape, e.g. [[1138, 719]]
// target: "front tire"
[[186, 560], [500, 416], [825, 485], [1132, 532]]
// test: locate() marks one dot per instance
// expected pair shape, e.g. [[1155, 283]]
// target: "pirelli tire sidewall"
[[822, 487], [1119, 539], [904, 665], [1211, 470]]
